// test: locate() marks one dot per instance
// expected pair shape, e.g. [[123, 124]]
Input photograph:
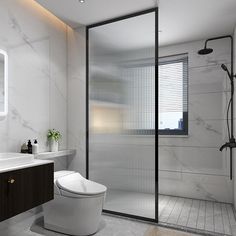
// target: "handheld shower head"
[[224, 67]]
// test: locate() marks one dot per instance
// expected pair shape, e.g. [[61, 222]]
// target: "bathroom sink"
[[15, 159]]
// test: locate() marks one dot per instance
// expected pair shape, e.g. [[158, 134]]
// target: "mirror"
[[3, 83]]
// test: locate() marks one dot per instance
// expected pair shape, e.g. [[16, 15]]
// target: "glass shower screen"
[[121, 113]]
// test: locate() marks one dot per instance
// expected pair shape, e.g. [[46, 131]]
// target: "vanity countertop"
[[35, 162]]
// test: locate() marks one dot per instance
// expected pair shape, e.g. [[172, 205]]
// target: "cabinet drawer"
[[24, 189]]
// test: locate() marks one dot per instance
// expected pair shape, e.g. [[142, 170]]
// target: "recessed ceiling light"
[[82, 1]]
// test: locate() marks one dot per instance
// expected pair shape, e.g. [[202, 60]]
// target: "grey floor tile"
[[177, 211]]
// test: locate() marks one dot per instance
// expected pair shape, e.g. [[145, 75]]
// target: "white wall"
[[36, 42], [193, 166]]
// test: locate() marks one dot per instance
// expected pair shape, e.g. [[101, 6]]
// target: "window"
[[173, 95]]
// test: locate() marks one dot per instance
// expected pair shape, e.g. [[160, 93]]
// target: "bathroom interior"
[[102, 76]]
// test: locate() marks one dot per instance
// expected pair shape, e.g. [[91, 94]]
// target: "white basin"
[[12, 159]]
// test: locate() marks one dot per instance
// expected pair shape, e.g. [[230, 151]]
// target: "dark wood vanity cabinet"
[[23, 189]]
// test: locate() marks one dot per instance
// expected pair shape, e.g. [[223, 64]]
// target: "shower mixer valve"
[[230, 144]]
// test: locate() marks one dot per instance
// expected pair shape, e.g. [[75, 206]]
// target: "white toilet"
[[77, 205]]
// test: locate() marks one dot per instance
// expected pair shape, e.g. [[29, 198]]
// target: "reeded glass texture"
[[122, 113]]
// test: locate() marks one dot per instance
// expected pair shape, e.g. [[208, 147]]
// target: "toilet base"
[[78, 216], [58, 229]]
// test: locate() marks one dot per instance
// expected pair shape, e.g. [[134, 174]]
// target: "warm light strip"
[[42, 10], [4, 53]]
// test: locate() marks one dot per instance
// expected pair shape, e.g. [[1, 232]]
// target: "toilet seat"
[[75, 184]]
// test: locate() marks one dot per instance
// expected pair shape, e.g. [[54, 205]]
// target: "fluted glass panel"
[[122, 113]]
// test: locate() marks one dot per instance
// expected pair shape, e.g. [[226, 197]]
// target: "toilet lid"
[[76, 183]]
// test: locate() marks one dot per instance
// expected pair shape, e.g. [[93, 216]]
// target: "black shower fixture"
[[231, 143], [224, 67], [205, 51]]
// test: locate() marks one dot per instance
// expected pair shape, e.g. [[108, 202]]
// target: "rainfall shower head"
[[205, 51]]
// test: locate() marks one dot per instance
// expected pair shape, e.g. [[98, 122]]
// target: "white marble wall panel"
[[192, 166], [208, 106], [198, 186], [197, 160], [202, 133], [208, 79], [28, 102], [36, 42]]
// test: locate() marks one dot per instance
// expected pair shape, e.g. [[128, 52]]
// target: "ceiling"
[[75, 13], [179, 20]]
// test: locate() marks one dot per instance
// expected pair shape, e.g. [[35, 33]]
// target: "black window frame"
[[169, 60]]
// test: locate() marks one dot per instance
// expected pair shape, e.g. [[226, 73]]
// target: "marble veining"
[[16, 26], [200, 169], [37, 74]]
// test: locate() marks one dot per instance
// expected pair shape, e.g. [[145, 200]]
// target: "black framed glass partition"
[[121, 113]]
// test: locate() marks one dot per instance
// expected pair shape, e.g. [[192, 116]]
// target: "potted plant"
[[53, 138]]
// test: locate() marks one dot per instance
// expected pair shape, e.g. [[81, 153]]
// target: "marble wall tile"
[[208, 106], [193, 159], [36, 42], [208, 79], [29, 110], [196, 157], [198, 186], [202, 133]]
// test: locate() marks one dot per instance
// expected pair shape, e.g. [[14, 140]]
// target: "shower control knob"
[[11, 181]]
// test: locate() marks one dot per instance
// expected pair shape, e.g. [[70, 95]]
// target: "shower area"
[[156, 118]]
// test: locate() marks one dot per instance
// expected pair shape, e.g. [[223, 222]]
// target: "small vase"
[[53, 145]]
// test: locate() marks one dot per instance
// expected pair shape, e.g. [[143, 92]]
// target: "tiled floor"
[[27, 225], [216, 218], [198, 215]]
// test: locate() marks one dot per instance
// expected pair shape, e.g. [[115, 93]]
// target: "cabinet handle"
[[11, 181]]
